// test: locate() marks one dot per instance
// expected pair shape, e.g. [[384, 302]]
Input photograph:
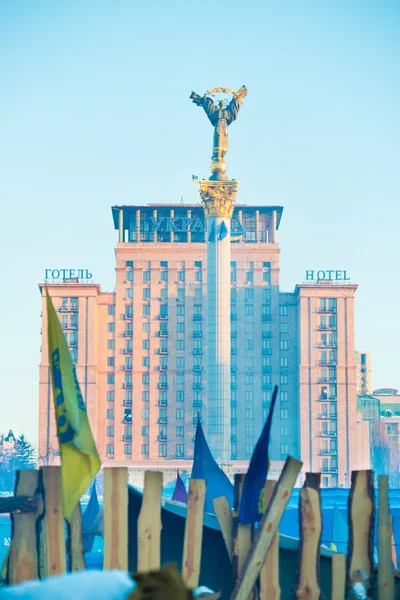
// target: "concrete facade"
[[141, 351], [364, 373]]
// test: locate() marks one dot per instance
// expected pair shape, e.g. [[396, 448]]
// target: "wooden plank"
[[385, 571], [338, 576], [75, 541], [224, 515], [241, 532], [394, 555], [115, 508], [149, 523], [267, 530], [310, 513], [361, 524], [23, 562], [193, 533], [53, 531], [269, 575]]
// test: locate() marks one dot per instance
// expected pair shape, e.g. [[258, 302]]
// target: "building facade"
[[140, 352], [364, 373]]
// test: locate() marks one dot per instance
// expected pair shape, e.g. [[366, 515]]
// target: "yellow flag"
[[333, 547], [79, 458]]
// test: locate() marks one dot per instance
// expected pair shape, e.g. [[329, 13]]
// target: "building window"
[[146, 361], [110, 449], [127, 448], [145, 413], [180, 450], [180, 310], [284, 345], [145, 378], [145, 431], [249, 362], [233, 295], [162, 450], [146, 275], [248, 327], [284, 413], [197, 293], [110, 344], [249, 431], [129, 293], [145, 448], [283, 328], [110, 413], [181, 275], [74, 355], [249, 379], [180, 327], [145, 309], [111, 309], [180, 413], [284, 361], [249, 345], [110, 430], [180, 362], [128, 275], [146, 293], [110, 396], [181, 294], [111, 327], [180, 344], [248, 293], [146, 344], [284, 431], [284, 379], [284, 396], [128, 397], [249, 396], [164, 263], [180, 396], [110, 377], [284, 449], [180, 431], [249, 413], [198, 275], [266, 295], [110, 361], [283, 310], [248, 310], [145, 396], [248, 449]]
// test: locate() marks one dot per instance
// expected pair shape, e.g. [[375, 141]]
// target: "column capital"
[[218, 197]]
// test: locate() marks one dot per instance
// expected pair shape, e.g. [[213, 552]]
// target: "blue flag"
[[88, 518], [256, 476], [205, 467], [223, 231], [211, 237], [180, 494]]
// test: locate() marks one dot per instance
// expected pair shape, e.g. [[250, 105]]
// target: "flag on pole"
[[223, 232], [256, 476], [180, 494], [205, 467], [88, 518], [211, 236], [79, 458]]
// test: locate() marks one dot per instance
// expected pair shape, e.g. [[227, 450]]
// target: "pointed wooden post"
[[361, 524], [269, 574], [115, 508], [310, 515], [75, 541], [267, 530], [385, 571], [53, 528], [23, 558], [149, 523], [338, 576], [241, 532], [193, 533], [224, 515]]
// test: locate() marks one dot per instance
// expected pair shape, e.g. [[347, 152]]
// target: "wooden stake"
[[385, 571], [269, 574], [115, 510], [338, 576], [241, 532], [149, 523], [75, 541], [53, 531], [23, 558], [394, 555], [310, 514], [193, 533], [224, 515], [267, 530], [361, 524]]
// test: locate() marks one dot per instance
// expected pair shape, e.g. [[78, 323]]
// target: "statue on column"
[[221, 116]]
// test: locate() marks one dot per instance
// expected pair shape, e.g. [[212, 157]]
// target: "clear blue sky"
[[95, 111]]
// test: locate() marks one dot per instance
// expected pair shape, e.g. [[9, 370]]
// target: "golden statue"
[[221, 116]]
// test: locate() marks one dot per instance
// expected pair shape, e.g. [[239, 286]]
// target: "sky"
[[95, 111]]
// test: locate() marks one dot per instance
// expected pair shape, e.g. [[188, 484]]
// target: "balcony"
[[162, 334], [322, 327], [127, 403], [197, 403], [327, 399], [127, 386], [162, 386], [126, 368], [233, 352], [233, 368], [266, 369], [233, 317], [162, 438], [327, 452], [329, 309], [266, 334], [126, 438], [197, 368], [233, 438], [163, 368], [127, 351], [233, 334], [327, 416], [233, 386], [127, 317], [197, 317], [329, 470], [266, 317], [233, 421], [162, 317], [326, 380], [327, 434], [162, 421], [197, 334], [73, 343], [197, 386], [197, 351], [327, 345], [327, 362], [266, 386], [266, 351], [162, 351], [128, 333]]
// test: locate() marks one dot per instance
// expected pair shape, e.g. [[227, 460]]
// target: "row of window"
[[180, 378], [162, 449]]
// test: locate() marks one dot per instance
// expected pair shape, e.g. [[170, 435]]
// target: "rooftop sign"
[[328, 275], [185, 224], [65, 274]]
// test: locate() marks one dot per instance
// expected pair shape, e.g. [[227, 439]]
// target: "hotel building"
[[140, 352]]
